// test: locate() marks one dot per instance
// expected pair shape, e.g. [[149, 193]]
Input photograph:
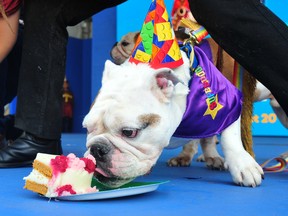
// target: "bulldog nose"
[[100, 151]]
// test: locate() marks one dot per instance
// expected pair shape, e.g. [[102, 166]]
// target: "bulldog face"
[[121, 51], [131, 121]]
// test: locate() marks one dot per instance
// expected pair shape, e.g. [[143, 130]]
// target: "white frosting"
[[37, 177], [78, 178], [45, 158]]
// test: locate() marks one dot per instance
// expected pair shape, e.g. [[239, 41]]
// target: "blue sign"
[[265, 121]]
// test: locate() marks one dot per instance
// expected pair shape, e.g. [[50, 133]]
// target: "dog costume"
[[213, 103]]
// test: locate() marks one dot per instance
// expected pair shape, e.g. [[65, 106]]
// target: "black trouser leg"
[[43, 61], [3, 78], [251, 34], [42, 70], [13, 69]]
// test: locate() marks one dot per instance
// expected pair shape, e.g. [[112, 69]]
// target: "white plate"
[[142, 187]]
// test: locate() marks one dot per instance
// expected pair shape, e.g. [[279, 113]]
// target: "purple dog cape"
[[213, 103]]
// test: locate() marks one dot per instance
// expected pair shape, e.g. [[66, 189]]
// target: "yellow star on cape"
[[213, 112]]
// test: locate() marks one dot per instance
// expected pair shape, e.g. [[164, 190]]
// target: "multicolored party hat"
[[157, 44]]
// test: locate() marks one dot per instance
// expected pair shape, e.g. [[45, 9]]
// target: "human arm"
[[8, 33]]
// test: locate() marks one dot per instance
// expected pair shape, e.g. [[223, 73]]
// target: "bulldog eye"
[[129, 132], [125, 43]]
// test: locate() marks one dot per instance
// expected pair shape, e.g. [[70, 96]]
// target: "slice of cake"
[[59, 175]]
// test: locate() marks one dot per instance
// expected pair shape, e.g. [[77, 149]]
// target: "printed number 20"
[[269, 118]]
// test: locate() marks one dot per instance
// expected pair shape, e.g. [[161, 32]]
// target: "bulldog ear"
[[166, 80], [111, 70]]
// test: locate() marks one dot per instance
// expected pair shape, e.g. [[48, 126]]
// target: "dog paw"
[[181, 161], [215, 163], [245, 170]]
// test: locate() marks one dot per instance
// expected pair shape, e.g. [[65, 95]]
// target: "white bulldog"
[[136, 113]]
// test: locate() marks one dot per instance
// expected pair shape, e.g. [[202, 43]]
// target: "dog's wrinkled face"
[[131, 121], [121, 51]]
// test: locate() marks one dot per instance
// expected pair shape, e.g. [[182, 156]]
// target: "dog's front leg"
[[242, 166]]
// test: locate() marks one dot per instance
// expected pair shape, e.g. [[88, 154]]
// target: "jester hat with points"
[[156, 43]]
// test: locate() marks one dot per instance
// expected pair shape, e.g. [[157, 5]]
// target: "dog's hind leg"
[[283, 118], [185, 157], [262, 93], [211, 156]]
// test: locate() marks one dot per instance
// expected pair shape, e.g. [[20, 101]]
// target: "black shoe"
[[23, 150]]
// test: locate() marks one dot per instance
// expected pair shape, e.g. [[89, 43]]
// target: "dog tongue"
[[162, 82], [98, 170]]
